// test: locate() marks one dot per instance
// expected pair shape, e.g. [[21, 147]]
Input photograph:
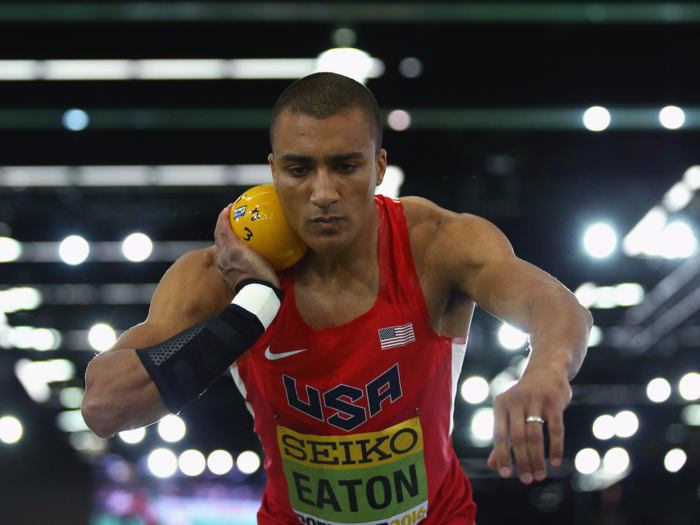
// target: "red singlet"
[[356, 420]]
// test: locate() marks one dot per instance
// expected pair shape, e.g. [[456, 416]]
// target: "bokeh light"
[[102, 337], [137, 247], [74, 250], [596, 118], [671, 117], [658, 390], [679, 196], [347, 61], [220, 462], [616, 460], [133, 436], [171, 428], [10, 249], [692, 177], [10, 430], [596, 336], [586, 294], [344, 37], [600, 240], [20, 298], [399, 120], [628, 294], [689, 386], [475, 390], [71, 397], [626, 424], [411, 67], [587, 461], [511, 338], [482, 427], [75, 119], [675, 459], [192, 462], [677, 241], [691, 415], [604, 427], [162, 463], [248, 462], [71, 421]]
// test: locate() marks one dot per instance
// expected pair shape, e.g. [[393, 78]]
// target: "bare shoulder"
[[422, 212], [446, 240], [190, 290]]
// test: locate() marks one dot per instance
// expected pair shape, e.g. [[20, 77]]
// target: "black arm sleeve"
[[185, 365]]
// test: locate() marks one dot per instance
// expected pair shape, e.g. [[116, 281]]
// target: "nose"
[[324, 192]]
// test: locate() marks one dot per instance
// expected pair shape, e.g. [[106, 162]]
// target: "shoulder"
[[192, 265], [445, 227], [445, 239]]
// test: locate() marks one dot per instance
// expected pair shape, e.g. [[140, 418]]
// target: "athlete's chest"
[[321, 308]]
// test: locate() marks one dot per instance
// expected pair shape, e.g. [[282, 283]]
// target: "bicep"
[[189, 292], [480, 262], [508, 289]]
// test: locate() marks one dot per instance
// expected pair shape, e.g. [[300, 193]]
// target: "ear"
[[271, 160], [381, 166]]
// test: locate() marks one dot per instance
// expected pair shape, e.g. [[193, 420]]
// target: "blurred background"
[[125, 127]]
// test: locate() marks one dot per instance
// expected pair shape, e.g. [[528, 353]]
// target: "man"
[[352, 375]]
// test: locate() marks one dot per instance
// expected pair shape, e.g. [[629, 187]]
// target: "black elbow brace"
[[185, 365]]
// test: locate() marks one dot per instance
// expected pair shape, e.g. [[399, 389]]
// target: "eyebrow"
[[332, 159]]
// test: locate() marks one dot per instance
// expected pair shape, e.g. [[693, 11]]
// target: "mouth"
[[326, 223]]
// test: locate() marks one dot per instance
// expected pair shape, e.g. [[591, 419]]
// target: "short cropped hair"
[[323, 95]]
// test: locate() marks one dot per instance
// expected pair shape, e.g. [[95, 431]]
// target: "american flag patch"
[[396, 336]]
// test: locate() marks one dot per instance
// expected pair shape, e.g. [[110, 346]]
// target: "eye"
[[297, 170], [347, 167]]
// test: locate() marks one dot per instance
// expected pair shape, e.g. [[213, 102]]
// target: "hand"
[[540, 392], [236, 261]]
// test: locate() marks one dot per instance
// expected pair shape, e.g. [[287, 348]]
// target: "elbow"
[[587, 316], [585, 320], [93, 414], [96, 408]]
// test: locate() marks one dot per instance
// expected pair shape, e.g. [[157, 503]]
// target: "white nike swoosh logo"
[[272, 356]]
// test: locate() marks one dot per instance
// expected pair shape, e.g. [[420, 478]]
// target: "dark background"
[[561, 182]]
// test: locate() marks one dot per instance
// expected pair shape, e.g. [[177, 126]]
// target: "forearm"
[[119, 394], [129, 388], [559, 330]]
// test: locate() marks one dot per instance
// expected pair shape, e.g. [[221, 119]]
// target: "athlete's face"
[[325, 173]]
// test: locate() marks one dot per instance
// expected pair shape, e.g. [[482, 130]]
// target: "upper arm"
[[189, 292], [473, 256]]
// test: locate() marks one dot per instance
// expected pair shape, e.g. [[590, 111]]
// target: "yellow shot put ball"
[[257, 219]]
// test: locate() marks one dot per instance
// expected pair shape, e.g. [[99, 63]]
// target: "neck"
[[357, 261]]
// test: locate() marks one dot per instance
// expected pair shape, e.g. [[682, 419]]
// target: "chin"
[[327, 243]]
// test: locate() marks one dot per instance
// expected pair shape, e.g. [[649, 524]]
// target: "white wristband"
[[260, 300]]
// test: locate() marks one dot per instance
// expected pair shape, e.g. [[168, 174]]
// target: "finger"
[[555, 422], [501, 447], [223, 228], [219, 220], [491, 462], [224, 217], [518, 440], [535, 447]]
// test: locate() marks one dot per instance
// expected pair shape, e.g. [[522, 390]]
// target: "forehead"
[[304, 134]]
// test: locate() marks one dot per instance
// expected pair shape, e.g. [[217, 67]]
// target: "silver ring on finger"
[[535, 419]]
